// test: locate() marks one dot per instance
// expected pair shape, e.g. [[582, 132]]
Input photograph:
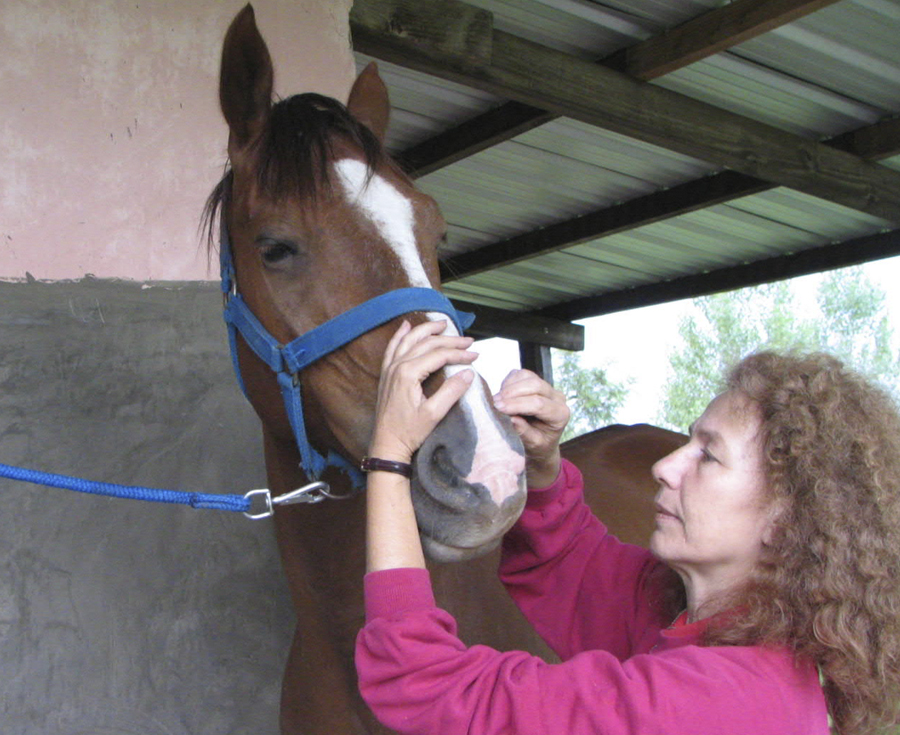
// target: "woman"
[[769, 603]]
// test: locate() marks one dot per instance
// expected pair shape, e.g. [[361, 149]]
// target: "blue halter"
[[288, 360]]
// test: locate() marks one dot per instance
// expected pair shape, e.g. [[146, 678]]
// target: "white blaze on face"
[[495, 465]]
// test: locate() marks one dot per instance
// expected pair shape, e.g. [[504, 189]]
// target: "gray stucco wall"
[[121, 617]]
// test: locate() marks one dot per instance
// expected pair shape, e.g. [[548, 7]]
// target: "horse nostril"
[[442, 467], [444, 482]]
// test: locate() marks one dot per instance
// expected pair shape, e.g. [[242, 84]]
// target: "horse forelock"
[[294, 152]]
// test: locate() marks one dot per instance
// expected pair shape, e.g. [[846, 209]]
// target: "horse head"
[[321, 220]]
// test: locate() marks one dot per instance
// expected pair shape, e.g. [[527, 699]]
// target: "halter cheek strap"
[[286, 361]]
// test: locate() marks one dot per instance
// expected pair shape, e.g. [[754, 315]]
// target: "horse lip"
[[485, 534], [491, 529]]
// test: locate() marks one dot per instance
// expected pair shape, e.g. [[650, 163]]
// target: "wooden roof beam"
[[703, 36], [708, 34], [823, 258], [628, 215], [522, 327], [874, 142], [403, 32]]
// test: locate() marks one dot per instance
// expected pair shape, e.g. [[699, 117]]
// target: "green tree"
[[593, 397], [851, 322], [855, 325]]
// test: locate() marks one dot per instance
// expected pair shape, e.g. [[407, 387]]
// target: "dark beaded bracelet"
[[373, 464]]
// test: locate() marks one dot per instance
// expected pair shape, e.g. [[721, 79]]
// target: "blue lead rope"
[[238, 503], [287, 361]]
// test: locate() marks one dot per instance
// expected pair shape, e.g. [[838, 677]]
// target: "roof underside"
[[590, 157]]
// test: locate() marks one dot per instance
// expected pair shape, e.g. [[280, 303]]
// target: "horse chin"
[[441, 552]]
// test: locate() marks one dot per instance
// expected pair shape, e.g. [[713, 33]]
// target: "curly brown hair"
[[828, 585]]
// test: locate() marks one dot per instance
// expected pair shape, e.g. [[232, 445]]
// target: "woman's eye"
[[706, 456]]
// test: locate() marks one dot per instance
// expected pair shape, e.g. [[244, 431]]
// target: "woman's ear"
[[776, 513]]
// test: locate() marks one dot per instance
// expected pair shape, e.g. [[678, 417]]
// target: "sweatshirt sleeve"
[[576, 583], [420, 679]]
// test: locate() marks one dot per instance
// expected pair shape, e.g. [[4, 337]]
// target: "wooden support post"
[[536, 358]]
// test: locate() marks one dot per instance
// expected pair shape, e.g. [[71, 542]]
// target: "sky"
[[611, 343]]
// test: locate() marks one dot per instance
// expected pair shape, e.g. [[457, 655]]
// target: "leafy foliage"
[[850, 321], [593, 397]]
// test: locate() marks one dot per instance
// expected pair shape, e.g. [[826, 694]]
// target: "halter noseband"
[[288, 360]]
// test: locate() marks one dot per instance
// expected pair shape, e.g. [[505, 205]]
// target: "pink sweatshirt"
[[621, 671]]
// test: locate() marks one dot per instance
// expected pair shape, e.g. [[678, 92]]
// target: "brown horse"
[[616, 462], [320, 220]]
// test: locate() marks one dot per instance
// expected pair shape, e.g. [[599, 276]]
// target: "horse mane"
[[294, 151]]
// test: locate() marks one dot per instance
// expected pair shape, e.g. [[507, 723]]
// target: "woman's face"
[[712, 516]]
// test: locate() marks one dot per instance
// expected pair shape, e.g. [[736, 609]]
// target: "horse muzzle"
[[468, 486]]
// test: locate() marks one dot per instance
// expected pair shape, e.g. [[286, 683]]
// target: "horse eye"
[[274, 253]]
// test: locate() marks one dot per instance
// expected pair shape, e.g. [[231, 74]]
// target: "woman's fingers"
[[405, 416], [523, 383], [525, 394], [539, 415], [430, 356], [393, 342], [451, 390], [407, 341]]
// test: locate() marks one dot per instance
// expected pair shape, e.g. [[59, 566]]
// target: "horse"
[[319, 220], [616, 462]]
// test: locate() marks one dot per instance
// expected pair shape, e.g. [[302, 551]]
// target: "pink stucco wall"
[[110, 133]]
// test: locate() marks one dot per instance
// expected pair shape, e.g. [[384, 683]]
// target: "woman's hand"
[[539, 414], [404, 415]]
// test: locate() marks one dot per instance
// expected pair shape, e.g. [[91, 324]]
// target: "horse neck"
[[322, 545], [322, 548]]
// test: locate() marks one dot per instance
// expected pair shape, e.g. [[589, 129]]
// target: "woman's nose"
[[666, 470]]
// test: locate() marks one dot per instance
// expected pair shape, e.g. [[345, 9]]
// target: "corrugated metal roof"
[[835, 70], [849, 48], [770, 96]]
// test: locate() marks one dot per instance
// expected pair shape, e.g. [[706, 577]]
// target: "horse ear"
[[369, 101], [245, 80]]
